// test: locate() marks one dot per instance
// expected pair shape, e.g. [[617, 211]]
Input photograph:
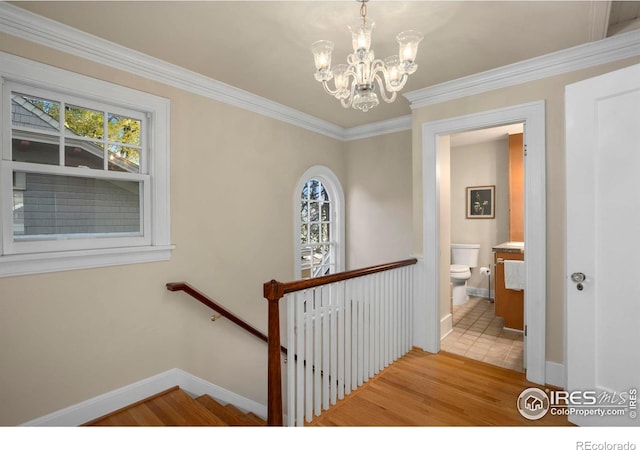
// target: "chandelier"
[[354, 83]]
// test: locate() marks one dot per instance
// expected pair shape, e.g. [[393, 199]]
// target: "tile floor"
[[478, 334]]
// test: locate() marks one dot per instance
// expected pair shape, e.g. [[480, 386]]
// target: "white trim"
[[15, 265], [378, 128], [24, 71], [446, 326], [575, 58], [480, 292], [336, 196], [35, 28], [533, 116], [100, 405], [420, 325], [555, 374]]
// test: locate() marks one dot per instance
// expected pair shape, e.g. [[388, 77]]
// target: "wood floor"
[[423, 389], [174, 407], [419, 389]]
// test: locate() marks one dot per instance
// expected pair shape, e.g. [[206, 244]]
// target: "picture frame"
[[481, 202]]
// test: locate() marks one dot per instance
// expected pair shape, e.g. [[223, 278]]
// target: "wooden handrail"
[[300, 285], [273, 291], [181, 286]]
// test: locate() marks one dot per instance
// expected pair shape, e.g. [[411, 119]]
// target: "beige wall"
[[69, 336], [551, 90], [378, 197], [480, 164]]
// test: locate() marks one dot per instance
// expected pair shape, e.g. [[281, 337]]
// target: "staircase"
[[174, 407]]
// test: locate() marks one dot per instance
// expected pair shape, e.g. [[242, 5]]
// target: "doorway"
[[435, 143], [478, 325]]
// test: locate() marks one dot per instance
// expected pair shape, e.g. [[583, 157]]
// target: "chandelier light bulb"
[[322, 57], [361, 36], [354, 84]]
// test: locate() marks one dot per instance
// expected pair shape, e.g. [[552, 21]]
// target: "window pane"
[[124, 159], [35, 148], [323, 193], [314, 212], [304, 234], [324, 229], [325, 215], [18, 212], [304, 212], [124, 129], [314, 189], [84, 122], [33, 112], [83, 154], [57, 205], [315, 233]]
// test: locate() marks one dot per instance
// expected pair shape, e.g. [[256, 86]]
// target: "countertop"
[[510, 247]]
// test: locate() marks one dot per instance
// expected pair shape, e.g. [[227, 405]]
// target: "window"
[[319, 206], [81, 184]]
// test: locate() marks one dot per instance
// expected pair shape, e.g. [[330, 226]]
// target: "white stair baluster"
[[308, 361], [317, 352], [325, 345], [366, 299], [291, 301], [300, 357], [333, 340], [354, 335], [341, 353]]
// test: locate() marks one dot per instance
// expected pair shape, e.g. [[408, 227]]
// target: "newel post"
[[273, 292]]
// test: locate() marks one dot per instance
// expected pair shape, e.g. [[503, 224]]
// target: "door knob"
[[578, 277]]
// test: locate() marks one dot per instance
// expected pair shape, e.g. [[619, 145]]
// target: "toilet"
[[463, 258]]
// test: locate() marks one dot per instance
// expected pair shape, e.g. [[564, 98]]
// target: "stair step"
[[232, 415], [173, 407]]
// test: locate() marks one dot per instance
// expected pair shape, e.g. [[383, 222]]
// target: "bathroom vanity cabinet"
[[509, 303]]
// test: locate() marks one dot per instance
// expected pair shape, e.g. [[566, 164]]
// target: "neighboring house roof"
[[26, 114]]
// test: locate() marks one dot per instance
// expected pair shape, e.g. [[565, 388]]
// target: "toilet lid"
[[456, 268]]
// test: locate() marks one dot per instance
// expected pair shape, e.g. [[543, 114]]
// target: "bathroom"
[[480, 165]]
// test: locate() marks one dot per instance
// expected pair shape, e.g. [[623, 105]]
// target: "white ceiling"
[[263, 46]]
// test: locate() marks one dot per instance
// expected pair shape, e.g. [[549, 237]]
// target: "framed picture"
[[481, 201]]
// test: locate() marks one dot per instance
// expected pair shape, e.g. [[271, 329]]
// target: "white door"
[[603, 244]]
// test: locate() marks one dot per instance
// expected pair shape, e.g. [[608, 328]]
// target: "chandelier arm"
[[328, 89], [347, 102], [383, 92], [401, 84], [378, 66]]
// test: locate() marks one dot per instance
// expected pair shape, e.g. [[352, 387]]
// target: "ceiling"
[[263, 46]]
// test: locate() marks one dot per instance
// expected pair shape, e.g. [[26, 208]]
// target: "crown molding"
[[575, 58], [402, 123], [41, 30]]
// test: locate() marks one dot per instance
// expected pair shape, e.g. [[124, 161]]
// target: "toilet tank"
[[465, 254]]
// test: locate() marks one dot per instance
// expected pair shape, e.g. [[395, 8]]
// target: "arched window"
[[319, 218]]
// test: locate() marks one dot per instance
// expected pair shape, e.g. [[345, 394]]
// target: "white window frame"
[[21, 257], [336, 197]]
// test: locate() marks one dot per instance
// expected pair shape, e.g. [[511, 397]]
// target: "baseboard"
[[554, 374], [95, 407], [479, 292], [446, 326], [197, 387]]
